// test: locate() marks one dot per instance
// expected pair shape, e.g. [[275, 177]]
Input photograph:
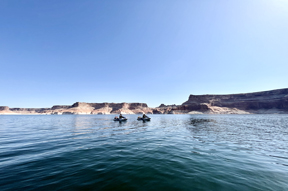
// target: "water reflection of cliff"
[[200, 128], [200, 121]]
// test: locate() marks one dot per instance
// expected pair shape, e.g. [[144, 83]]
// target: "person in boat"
[[115, 117], [121, 116], [145, 116]]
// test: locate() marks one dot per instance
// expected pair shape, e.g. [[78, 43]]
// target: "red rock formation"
[[274, 101], [83, 108]]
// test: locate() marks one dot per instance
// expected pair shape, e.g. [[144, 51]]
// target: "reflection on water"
[[197, 122], [174, 152]]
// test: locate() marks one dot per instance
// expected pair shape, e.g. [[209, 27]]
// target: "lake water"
[[171, 152]]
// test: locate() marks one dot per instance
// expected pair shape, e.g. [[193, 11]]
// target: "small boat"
[[120, 119], [143, 119]]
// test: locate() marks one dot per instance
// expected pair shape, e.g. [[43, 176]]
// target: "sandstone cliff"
[[83, 108], [274, 101]]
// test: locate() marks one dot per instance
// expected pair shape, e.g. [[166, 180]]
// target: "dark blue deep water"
[[171, 152]]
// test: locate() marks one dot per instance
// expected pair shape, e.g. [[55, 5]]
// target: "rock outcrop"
[[258, 102], [83, 108], [4, 108], [274, 101]]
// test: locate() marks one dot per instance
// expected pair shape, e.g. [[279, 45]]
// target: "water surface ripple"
[[171, 152]]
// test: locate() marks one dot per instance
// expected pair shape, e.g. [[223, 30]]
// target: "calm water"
[[171, 152]]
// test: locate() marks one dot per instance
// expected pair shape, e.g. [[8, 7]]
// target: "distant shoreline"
[[265, 102]]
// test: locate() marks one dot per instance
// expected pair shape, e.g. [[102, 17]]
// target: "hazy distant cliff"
[[274, 101]]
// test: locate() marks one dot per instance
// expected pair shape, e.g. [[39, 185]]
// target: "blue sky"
[[59, 52]]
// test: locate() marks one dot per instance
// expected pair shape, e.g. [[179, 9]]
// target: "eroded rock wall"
[[83, 108], [274, 101]]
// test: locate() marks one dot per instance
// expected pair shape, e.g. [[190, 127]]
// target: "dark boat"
[[143, 119], [122, 119]]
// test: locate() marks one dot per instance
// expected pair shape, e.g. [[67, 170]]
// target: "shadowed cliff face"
[[4, 108], [274, 101], [61, 107]]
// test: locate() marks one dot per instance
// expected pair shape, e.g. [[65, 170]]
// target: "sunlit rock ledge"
[[266, 102], [79, 108]]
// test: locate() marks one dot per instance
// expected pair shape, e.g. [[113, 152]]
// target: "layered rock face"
[[83, 108], [274, 101]]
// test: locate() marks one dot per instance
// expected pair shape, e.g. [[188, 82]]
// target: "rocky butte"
[[83, 108], [266, 102]]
